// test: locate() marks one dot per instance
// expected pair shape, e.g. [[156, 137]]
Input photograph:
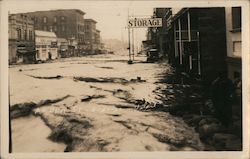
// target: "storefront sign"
[[144, 22]]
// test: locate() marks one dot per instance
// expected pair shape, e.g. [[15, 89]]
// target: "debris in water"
[[108, 80], [88, 98], [24, 109], [49, 77], [106, 67]]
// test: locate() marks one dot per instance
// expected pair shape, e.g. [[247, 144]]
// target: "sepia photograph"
[[124, 76]]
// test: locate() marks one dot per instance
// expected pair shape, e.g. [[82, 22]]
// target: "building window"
[[30, 35], [63, 28], [35, 19], [55, 28], [19, 36], [236, 17], [55, 19], [62, 18], [237, 48], [45, 19], [45, 28], [25, 34], [236, 75]]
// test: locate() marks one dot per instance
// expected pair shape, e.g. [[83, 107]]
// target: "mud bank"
[[185, 97]]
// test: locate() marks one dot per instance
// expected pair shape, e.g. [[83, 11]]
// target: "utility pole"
[[199, 53], [133, 46], [129, 48]]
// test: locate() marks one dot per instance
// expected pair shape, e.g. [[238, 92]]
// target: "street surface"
[[87, 104]]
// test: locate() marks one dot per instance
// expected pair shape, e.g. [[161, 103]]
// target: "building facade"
[[90, 35], [199, 42], [46, 45], [65, 23], [21, 39], [234, 45]]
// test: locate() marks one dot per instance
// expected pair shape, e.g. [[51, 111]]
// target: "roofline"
[[54, 10], [90, 20], [179, 13]]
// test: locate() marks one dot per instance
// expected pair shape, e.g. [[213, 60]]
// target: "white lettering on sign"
[[144, 22]]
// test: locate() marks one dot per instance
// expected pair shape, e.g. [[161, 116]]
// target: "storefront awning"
[[24, 51]]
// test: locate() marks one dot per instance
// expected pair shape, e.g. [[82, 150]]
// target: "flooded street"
[[91, 104]]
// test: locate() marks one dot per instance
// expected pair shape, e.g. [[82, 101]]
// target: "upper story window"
[[30, 35], [45, 19], [19, 36], [55, 19], [35, 19], [236, 18], [62, 18], [63, 28], [25, 34], [55, 28]]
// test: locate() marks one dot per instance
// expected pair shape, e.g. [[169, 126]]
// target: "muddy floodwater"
[[30, 135], [91, 104]]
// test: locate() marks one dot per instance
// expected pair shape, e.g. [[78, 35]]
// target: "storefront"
[[46, 45]]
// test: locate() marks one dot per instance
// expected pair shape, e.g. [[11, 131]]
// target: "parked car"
[[152, 55]]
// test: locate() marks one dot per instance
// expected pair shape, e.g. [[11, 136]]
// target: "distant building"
[[97, 42], [234, 45], [46, 45], [21, 39], [65, 23], [161, 33], [90, 35]]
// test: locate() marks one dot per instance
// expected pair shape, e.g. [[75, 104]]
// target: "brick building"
[[66, 23], [92, 36], [21, 39], [97, 42]]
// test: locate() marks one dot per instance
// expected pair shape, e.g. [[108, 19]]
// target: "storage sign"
[[144, 22]]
